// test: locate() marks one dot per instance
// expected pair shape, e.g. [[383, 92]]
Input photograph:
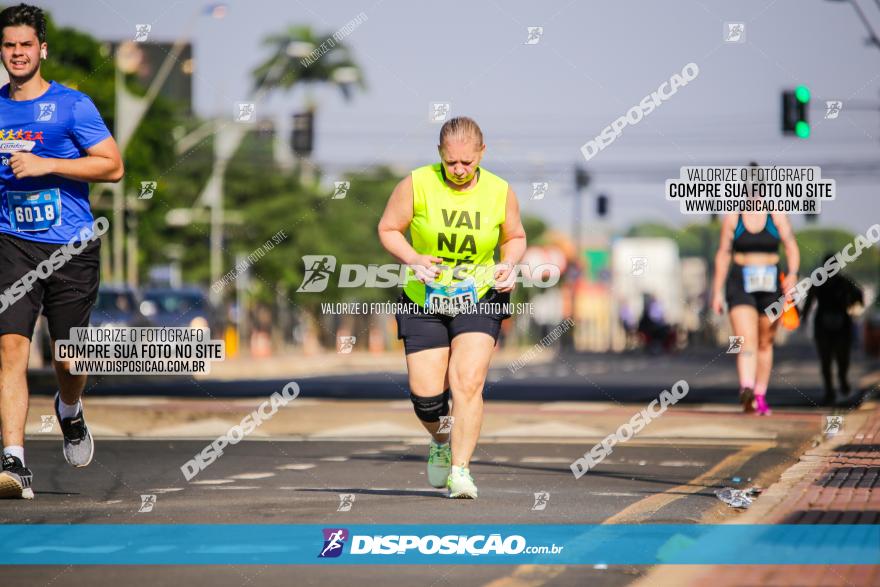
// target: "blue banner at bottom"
[[229, 544]]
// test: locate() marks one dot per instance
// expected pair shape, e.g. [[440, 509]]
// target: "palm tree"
[[288, 66], [294, 61]]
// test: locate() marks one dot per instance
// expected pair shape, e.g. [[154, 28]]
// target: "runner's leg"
[[842, 346], [744, 320], [70, 385], [825, 350], [468, 367], [14, 351], [766, 332], [428, 378]]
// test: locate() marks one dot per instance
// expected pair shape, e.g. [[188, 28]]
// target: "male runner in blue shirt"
[[53, 144]]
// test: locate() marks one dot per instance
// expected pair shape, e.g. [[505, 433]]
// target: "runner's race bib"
[[451, 300], [760, 278], [33, 211]]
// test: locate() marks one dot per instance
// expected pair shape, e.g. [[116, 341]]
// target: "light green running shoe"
[[439, 460], [461, 484]]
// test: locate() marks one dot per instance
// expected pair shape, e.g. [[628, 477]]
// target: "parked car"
[[118, 306], [182, 307]]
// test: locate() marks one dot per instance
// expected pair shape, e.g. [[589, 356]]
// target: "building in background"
[[143, 60]]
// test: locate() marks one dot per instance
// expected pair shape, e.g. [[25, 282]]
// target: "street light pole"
[[130, 110], [226, 141]]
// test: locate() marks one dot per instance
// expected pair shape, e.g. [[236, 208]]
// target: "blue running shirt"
[[60, 124]]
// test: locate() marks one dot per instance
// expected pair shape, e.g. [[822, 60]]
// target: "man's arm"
[[102, 163]]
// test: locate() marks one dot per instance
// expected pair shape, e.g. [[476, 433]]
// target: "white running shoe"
[[78, 446], [15, 479], [461, 484]]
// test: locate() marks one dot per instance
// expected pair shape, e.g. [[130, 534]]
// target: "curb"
[[770, 507]]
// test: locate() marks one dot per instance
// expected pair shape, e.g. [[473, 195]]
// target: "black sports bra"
[[766, 241]]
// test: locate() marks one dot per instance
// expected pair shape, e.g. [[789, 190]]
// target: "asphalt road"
[[294, 482], [283, 481], [634, 377]]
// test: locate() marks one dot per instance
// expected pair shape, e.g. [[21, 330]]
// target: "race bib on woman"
[[760, 278], [451, 300]]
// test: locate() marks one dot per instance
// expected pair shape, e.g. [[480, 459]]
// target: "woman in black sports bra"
[[747, 276]]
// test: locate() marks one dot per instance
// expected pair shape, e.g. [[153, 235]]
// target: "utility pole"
[[581, 181], [130, 110]]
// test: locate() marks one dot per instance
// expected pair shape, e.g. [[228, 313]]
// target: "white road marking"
[[365, 489], [335, 459], [252, 476], [545, 460], [212, 482], [235, 487], [165, 489], [680, 464], [296, 467], [624, 462]]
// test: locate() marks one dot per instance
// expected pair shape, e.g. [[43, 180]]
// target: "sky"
[[539, 103]]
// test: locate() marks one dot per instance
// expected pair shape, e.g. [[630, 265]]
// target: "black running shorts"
[[736, 294], [420, 330], [66, 295]]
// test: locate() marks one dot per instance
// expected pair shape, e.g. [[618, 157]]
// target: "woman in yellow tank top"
[[455, 294]]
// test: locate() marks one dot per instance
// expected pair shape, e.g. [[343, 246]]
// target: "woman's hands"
[[425, 267], [788, 283], [505, 277], [717, 302]]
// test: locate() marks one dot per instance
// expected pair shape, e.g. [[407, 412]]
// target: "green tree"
[[288, 66]]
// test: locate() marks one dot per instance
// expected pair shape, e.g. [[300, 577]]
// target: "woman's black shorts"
[[420, 330], [736, 293]]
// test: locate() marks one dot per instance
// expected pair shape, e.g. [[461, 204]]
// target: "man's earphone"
[[42, 53]]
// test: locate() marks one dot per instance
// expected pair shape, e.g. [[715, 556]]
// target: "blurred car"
[[118, 305], [187, 307], [115, 306]]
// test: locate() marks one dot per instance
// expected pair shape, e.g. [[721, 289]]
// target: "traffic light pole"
[[581, 181]]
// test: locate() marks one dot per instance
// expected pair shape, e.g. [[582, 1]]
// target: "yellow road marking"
[[651, 504], [538, 575]]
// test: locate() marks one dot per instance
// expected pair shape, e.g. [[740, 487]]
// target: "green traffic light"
[[802, 129], [802, 93]]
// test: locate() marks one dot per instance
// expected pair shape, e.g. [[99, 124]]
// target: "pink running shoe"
[[761, 407]]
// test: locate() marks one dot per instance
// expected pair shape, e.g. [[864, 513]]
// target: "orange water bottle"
[[791, 318]]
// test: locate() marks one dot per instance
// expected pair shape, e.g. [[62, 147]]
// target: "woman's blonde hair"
[[461, 128]]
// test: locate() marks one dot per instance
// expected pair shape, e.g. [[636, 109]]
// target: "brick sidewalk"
[[841, 485]]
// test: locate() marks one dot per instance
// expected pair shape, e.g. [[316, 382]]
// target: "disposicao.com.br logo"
[[431, 544]]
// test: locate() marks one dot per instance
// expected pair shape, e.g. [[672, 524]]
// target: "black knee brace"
[[429, 409]]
